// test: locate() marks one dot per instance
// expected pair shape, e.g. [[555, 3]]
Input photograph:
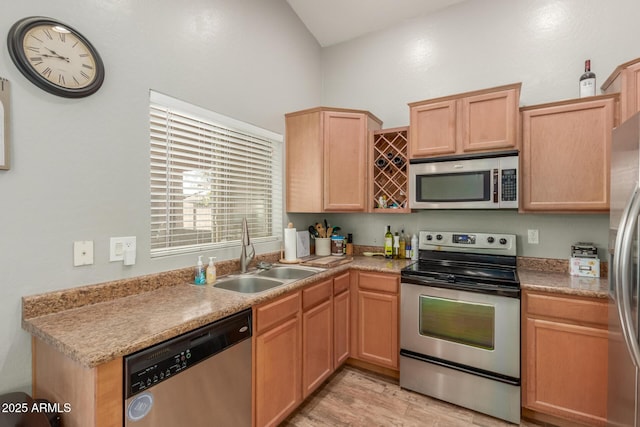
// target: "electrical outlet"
[[532, 237], [117, 246]]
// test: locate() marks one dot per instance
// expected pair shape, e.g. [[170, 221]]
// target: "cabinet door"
[[631, 95], [378, 328], [278, 373], [432, 129], [565, 156], [317, 346], [304, 153], [566, 370], [345, 161], [341, 329], [489, 121]]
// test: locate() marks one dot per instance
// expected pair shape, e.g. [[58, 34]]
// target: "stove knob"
[[490, 239], [439, 237], [503, 241], [429, 237]]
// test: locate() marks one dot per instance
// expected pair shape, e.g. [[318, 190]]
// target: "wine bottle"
[[388, 243], [587, 81]]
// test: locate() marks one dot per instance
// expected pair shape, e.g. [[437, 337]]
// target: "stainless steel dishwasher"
[[198, 379]]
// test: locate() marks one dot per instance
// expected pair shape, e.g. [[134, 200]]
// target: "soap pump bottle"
[[211, 271], [200, 279]]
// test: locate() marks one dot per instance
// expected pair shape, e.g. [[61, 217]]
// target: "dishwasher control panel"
[[153, 365]]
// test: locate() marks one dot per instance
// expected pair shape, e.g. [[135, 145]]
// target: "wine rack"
[[389, 158]]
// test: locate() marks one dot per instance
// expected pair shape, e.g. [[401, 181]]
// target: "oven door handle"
[[481, 288]]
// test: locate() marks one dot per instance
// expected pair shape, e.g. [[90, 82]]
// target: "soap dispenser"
[[200, 279], [211, 271]]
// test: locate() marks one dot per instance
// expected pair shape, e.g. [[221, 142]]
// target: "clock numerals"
[[62, 36], [61, 80], [46, 72], [37, 60], [47, 33]]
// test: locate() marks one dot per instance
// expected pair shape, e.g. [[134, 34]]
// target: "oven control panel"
[[455, 241]]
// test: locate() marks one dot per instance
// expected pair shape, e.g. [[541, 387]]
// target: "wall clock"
[[55, 57]]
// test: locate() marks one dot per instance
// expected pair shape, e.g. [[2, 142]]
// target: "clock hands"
[[55, 55]]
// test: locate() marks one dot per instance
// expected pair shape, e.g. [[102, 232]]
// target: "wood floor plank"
[[356, 398]]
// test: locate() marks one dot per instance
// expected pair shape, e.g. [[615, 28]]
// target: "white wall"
[[473, 45], [80, 168]]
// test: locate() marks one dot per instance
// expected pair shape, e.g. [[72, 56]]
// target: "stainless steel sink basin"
[[287, 273], [263, 280], [248, 284]]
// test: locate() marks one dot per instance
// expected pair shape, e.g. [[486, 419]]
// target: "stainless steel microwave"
[[484, 181]]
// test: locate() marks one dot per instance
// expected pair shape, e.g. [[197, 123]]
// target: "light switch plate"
[[532, 237], [82, 253], [117, 246]]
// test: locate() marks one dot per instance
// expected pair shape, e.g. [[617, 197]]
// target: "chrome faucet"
[[245, 259]]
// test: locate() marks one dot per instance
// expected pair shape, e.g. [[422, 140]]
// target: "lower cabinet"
[[277, 363], [376, 318], [341, 319], [299, 341], [565, 359], [317, 335]]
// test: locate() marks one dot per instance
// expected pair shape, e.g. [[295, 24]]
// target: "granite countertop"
[[99, 332], [563, 283], [96, 324]]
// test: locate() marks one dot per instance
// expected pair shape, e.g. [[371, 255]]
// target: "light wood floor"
[[353, 397]]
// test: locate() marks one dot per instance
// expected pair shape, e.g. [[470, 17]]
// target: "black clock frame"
[[14, 44]]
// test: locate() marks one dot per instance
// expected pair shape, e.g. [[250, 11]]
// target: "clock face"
[[55, 57]]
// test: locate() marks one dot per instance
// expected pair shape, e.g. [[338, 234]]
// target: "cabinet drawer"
[[341, 283], [315, 294], [575, 309], [274, 312], [379, 282]]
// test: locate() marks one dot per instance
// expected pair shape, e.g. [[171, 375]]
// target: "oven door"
[[469, 330]]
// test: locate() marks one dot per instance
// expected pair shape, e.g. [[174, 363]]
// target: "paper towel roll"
[[290, 244]]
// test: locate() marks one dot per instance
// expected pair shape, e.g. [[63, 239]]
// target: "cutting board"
[[328, 261]]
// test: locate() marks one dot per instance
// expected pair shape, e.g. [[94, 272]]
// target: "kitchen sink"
[[287, 273], [248, 284], [264, 279]]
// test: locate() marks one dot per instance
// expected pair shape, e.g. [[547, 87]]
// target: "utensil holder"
[[323, 246]]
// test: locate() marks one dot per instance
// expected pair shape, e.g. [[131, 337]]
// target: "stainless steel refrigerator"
[[624, 345]]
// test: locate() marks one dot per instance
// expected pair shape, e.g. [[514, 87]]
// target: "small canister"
[[337, 243]]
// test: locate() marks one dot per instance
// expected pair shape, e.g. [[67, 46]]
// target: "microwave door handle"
[[495, 173]]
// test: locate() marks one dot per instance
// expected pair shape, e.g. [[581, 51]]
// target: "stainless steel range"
[[460, 322]]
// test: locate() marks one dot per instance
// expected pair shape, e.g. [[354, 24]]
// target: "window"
[[208, 172]]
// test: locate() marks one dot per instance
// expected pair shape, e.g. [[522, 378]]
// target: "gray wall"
[[473, 45], [80, 168]]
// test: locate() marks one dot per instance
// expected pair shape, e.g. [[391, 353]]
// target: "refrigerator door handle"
[[622, 269]]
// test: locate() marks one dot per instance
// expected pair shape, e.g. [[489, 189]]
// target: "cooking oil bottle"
[[388, 243]]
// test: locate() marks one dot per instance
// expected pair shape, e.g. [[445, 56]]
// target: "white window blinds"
[[208, 172]]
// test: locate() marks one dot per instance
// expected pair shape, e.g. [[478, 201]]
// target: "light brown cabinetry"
[[389, 180], [376, 318], [327, 159], [317, 333], [625, 80], [565, 155], [94, 394], [341, 319], [564, 348], [277, 363], [483, 120]]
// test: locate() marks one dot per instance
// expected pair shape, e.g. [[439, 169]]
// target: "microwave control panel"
[[509, 185]]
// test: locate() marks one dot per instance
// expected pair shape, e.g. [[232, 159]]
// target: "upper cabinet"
[[471, 122], [565, 155], [327, 160], [625, 80]]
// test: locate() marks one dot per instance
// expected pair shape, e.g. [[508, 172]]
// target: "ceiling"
[[336, 21]]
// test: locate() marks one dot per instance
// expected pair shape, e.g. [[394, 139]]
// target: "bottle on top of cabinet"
[[587, 81]]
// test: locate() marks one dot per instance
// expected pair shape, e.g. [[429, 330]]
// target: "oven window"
[[461, 322], [454, 187]]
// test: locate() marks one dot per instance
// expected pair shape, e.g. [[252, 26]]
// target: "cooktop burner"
[[469, 259]]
